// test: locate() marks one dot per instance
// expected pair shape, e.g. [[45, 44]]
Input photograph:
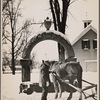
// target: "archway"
[[49, 35], [41, 36]]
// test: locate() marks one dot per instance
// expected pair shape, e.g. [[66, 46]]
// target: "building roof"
[[89, 27]]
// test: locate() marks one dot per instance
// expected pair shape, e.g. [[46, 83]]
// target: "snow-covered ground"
[[10, 87]]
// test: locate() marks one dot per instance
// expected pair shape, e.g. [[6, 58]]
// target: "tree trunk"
[[13, 60], [61, 52], [61, 49], [60, 19]]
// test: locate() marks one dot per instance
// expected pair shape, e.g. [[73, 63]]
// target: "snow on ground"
[[10, 87]]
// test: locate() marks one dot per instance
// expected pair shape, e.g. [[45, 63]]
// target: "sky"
[[78, 11]]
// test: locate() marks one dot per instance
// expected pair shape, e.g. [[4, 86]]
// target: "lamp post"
[[47, 23]]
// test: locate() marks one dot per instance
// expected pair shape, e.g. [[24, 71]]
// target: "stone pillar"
[[25, 63]]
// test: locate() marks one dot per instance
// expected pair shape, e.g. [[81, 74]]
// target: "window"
[[85, 44], [85, 25], [88, 23], [95, 44]]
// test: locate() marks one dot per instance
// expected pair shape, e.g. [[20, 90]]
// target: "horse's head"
[[73, 72], [44, 68], [44, 73]]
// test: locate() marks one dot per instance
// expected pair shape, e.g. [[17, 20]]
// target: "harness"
[[70, 73], [67, 82]]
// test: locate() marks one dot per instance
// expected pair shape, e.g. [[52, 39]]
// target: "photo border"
[[98, 53]]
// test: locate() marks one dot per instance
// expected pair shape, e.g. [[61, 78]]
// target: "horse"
[[69, 71]]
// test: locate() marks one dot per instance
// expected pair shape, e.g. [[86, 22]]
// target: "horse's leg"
[[60, 89], [80, 98], [70, 96], [80, 82], [56, 89], [55, 83], [44, 93]]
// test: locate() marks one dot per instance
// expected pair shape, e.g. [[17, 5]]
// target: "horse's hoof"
[[68, 99], [56, 97], [60, 95]]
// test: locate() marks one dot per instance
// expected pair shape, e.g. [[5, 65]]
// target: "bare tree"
[[5, 18], [4, 5], [59, 10], [14, 33], [5, 61]]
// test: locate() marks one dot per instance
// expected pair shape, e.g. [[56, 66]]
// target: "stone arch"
[[41, 36], [49, 35]]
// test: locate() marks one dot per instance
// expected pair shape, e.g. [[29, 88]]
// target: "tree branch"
[[6, 37], [53, 14], [5, 4], [25, 26], [18, 39], [57, 12], [64, 12], [19, 48]]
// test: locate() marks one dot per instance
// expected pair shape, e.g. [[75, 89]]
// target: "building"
[[85, 47]]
